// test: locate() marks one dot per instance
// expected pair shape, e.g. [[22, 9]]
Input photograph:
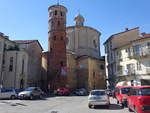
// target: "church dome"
[[79, 20]]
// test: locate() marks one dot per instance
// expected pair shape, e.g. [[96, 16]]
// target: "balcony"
[[148, 70], [140, 54], [126, 72], [131, 72]]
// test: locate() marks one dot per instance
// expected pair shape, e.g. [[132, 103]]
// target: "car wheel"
[[107, 106], [13, 97], [90, 106], [40, 96], [130, 110], [117, 102], [122, 105], [31, 97]]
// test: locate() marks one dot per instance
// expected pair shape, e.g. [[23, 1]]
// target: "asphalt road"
[[70, 104]]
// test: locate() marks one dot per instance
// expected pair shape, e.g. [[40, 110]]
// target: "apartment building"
[[133, 62], [113, 42]]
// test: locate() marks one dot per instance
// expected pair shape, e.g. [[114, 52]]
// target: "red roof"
[[24, 41]]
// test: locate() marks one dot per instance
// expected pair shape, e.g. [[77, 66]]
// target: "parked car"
[[7, 93], [139, 99], [121, 94], [80, 92], [31, 93], [98, 97], [63, 91]]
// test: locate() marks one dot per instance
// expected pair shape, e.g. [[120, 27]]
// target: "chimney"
[[143, 33]]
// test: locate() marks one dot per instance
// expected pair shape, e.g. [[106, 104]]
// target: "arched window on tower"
[[61, 13], [55, 12], [54, 38], [58, 23]]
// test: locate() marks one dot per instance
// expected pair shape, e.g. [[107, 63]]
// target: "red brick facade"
[[56, 46]]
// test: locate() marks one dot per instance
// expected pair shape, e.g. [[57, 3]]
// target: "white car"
[[98, 97], [6, 93]]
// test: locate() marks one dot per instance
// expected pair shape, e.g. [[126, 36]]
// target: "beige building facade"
[[85, 72], [133, 62], [20, 63]]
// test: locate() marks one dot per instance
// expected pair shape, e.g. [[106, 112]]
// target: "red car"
[[63, 91], [121, 94], [139, 99]]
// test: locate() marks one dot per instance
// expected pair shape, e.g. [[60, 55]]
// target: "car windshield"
[[98, 93], [144, 92], [29, 89], [125, 90]]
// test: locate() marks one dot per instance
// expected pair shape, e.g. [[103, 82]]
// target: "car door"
[[36, 92], [132, 98], [4, 93]]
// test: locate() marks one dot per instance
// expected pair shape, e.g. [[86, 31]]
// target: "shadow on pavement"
[[14, 104], [111, 107]]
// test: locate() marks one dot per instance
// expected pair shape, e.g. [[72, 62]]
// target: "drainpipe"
[[15, 70]]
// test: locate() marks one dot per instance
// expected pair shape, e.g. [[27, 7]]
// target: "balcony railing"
[[125, 72], [142, 53], [148, 70]]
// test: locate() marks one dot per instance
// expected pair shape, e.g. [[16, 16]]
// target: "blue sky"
[[28, 19]]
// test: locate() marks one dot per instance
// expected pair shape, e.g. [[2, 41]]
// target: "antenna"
[[57, 2], [78, 11]]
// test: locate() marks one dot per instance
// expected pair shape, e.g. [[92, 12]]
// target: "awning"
[[146, 77]]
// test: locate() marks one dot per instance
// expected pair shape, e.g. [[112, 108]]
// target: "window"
[[131, 68], [61, 63], [133, 92], [54, 37], [94, 43], [148, 45], [102, 67], [125, 90], [11, 64], [58, 23], [139, 66], [61, 38], [144, 92], [136, 50], [97, 93], [55, 12], [22, 66], [61, 13], [128, 51], [51, 13]]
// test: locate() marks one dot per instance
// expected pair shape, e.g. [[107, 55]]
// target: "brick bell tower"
[[56, 46]]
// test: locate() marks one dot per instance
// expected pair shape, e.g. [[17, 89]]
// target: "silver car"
[[98, 97], [31, 93], [7, 93]]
